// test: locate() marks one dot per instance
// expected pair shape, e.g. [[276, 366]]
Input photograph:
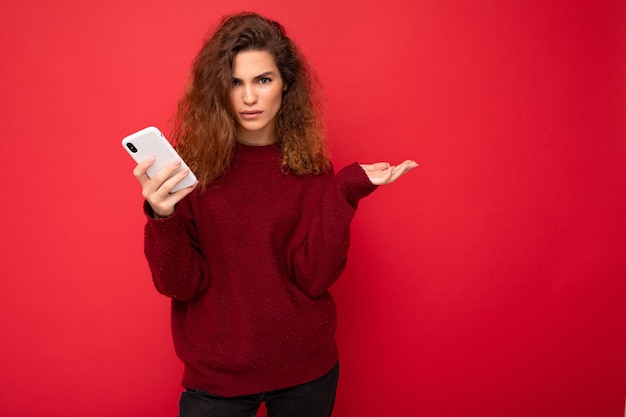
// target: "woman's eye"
[[265, 80], [234, 83]]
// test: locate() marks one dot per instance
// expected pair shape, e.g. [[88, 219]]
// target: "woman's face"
[[256, 96]]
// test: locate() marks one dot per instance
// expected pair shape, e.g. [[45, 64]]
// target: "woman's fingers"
[[170, 181], [401, 169], [157, 190], [140, 171]]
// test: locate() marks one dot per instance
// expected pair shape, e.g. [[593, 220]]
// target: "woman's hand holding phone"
[[157, 190], [165, 179]]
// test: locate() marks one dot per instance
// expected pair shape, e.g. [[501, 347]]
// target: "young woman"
[[248, 254]]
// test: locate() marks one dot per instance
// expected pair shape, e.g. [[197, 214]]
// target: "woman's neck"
[[262, 137]]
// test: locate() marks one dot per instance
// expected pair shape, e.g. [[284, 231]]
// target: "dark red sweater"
[[248, 264]]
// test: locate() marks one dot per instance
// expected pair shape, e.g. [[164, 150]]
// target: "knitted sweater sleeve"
[[172, 248], [321, 255]]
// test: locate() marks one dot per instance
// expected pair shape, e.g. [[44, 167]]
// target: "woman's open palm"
[[381, 173]]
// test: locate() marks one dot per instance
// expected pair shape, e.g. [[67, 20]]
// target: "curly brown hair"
[[205, 125]]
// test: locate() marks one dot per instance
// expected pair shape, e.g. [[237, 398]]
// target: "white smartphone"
[[151, 142]]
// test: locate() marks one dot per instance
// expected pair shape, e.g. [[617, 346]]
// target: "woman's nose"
[[249, 96]]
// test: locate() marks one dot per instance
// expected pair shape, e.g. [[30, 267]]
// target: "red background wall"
[[489, 282]]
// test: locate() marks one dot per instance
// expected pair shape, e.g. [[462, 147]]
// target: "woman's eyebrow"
[[263, 75]]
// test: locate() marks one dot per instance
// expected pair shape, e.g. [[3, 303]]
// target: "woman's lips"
[[250, 114]]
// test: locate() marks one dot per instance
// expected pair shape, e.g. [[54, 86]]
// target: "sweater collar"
[[250, 153]]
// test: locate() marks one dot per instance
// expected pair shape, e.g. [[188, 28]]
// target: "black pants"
[[313, 399]]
